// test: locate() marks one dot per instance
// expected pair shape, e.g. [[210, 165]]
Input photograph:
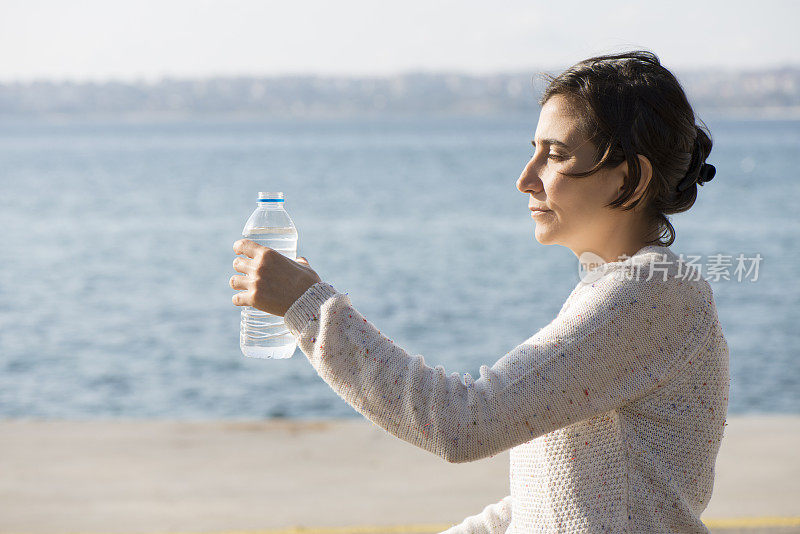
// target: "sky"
[[146, 40]]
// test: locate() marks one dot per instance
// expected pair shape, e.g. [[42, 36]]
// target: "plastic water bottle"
[[264, 335]]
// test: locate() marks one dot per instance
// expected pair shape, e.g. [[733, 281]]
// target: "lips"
[[537, 209]]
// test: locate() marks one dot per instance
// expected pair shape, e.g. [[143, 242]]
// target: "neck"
[[615, 245]]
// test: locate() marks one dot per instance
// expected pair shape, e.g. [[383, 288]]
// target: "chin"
[[545, 238]]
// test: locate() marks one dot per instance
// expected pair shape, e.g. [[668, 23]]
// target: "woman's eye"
[[555, 157]]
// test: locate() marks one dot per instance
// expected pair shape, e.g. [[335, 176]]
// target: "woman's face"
[[576, 215]]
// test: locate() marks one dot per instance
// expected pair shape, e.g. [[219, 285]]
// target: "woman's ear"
[[645, 175]]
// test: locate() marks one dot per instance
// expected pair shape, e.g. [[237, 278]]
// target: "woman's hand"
[[272, 282]]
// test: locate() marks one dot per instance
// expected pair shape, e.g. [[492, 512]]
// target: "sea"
[[117, 240]]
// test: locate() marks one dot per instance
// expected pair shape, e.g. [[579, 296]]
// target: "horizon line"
[[160, 78]]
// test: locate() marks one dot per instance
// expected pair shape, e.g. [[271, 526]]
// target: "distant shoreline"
[[771, 92]]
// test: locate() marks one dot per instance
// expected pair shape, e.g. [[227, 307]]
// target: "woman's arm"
[[617, 341], [494, 519]]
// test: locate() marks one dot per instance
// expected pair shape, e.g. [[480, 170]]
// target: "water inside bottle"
[[262, 334]]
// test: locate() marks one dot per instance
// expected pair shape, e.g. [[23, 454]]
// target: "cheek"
[[564, 194], [574, 198]]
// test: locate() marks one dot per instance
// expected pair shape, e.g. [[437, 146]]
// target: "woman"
[[615, 410]]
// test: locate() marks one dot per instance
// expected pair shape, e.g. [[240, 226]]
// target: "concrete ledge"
[[126, 476]]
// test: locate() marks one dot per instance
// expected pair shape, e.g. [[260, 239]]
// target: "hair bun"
[[698, 171], [704, 174]]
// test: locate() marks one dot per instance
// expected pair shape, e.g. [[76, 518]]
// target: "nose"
[[528, 181]]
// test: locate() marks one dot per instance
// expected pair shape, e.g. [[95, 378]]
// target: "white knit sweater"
[[614, 411]]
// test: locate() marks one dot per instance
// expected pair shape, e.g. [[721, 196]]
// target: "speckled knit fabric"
[[614, 411]]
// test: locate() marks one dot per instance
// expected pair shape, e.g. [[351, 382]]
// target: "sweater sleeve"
[[618, 340], [493, 519]]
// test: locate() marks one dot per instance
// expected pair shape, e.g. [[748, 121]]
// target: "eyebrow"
[[555, 142]]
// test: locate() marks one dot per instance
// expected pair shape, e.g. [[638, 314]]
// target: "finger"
[[242, 265], [243, 298], [247, 247], [238, 281]]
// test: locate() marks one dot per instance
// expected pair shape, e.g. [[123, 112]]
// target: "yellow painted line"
[[753, 522], [747, 522], [395, 529], [433, 528]]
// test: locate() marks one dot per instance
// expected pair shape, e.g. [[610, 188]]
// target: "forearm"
[[396, 391]]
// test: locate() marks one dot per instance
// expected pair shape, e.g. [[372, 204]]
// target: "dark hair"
[[632, 105]]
